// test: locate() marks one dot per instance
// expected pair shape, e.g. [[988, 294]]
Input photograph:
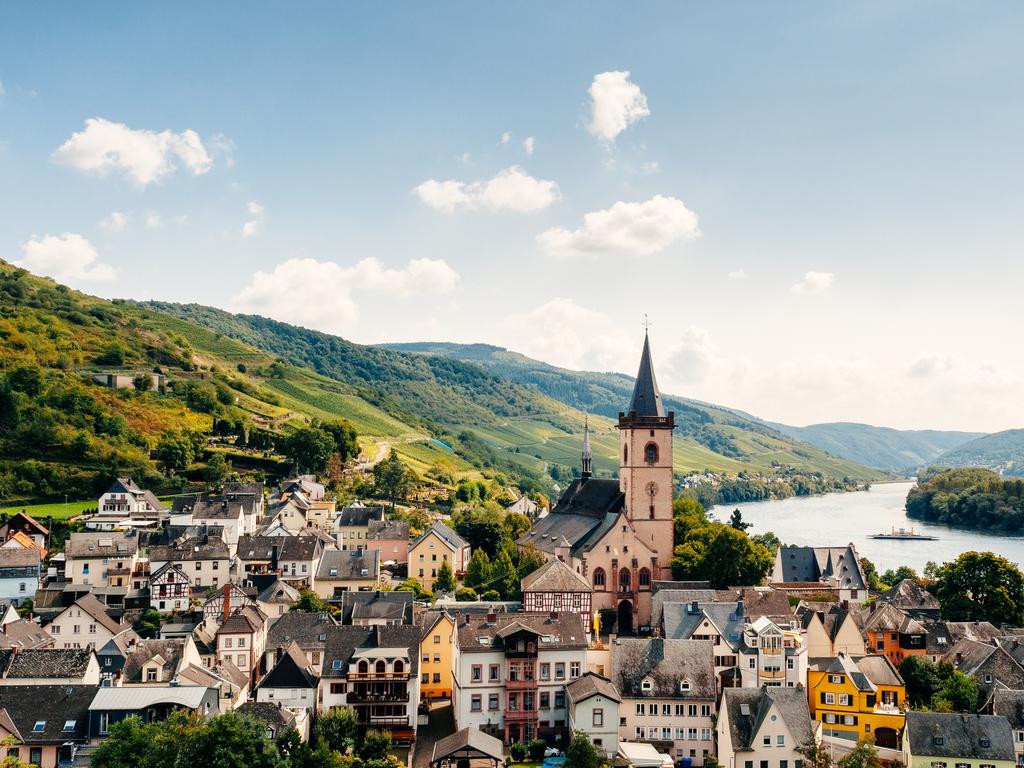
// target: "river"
[[840, 518]]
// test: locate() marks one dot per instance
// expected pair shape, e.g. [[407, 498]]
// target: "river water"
[[836, 519]]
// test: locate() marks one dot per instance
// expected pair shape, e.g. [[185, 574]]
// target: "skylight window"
[[69, 725], [39, 726], [336, 664]]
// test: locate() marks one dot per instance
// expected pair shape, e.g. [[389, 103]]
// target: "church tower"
[[645, 464]]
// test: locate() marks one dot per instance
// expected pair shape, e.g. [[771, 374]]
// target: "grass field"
[[57, 510]]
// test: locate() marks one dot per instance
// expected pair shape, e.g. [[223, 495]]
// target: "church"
[[618, 534]]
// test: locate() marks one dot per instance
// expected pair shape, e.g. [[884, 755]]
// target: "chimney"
[[227, 601], [492, 618], [554, 615], [873, 606]]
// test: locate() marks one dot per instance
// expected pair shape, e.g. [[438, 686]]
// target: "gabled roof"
[[136, 698], [309, 630], [555, 576], [943, 635], [387, 530], [246, 620], [976, 737], [468, 743], [46, 663], [286, 547], [592, 684], [345, 641], [477, 633], [910, 596], [801, 565], [682, 620], [292, 671], [748, 708], [866, 672], [646, 400], [24, 634], [145, 651], [359, 517], [278, 591], [349, 564], [124, 485], [219, 509], [443, 532], [105, 544], [23, 521], [277, 717], [376, 605], [889, 618], [55, 706], [98, 611], [664, 664]]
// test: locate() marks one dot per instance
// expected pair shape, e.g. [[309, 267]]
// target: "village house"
[[252, 493], [85, 624], [830, 629], [760, 727], [510, 672], [524, 505], [857, 698], [47, 723], [940, 740], [229, 516], [241, 639], [307, 630], [364, 609], [20, 570], [304, 484], [811, 568], [150, 703], [390, 538], [893, 633], [990, 665], [347, 571], [49, 666], [24, 634], [437, 650], [436, 545], [101, 560], [668, 691], [593, 703], [911, 598], [291, 682], [231, 683], [720, 623], [170, 589], [943, 635], [373, 671], [293, 559], [1010, 704], [557, 587], [277, 720], [771, 655], [27, 526], [124, 504], [205, 559], [617, 533], [273, 596], [157, 662]]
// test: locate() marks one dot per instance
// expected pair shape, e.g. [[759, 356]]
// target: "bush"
[[491, 594], [537, 747], [518, 750], [466, 595]]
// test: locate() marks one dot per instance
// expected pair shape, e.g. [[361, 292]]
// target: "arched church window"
[[645, 578], [599, 578], [651, 453], [625, 580]]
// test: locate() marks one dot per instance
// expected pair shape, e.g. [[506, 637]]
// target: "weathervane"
[[647, 323]]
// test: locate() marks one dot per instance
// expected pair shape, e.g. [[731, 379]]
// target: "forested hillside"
[[968, 497], [895, 450]]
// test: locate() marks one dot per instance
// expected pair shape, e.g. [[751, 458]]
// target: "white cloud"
[[650, 167], [154, 220], [256, 210], [929, 366], [506, 137], [115, 221], [738, 274], [67, 258], [511, 189], [814, 282], [328, 291], [529, 143], [616, 103], [222, 149], [143, 156], [636, 229], [692, 358]]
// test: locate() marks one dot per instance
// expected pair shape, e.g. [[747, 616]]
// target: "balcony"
[[772, 674], [118, 571], [389, 720], [353, 676], [520, 715], [397, 697], [520, 684]]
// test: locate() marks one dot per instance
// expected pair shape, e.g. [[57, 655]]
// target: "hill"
[[894, 450], [1000, 451], [708, 437]]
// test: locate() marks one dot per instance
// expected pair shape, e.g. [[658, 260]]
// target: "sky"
[[818, 206]]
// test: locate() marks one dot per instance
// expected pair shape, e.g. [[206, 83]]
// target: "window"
[[475, 705], [241, 661], [691, 710], [666, 710], [398, 667], [545, 671], [560, 699], [984, 742], [705, 710], [844, 699], [559, 670], [336, 664], [493, 673], [425, 677], [437, 639], [598, 721], [545, 700], [988, 678], [752, 663], [104, 723], [644, 577], [241, 642], [780, 740], [599, 578], [766, 740], [835, 679], [639, 709], [574, 669], [477, 674], [625, 580], [35, 755], [492, 701], [227, 642], [437, 677], [151, 674], [828, 698], [39, 727], [651, 453]]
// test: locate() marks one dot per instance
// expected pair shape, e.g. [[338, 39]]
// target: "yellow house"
[[437, 642], [856, 698], [436, 545]]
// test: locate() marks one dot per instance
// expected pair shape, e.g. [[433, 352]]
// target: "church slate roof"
[[795, 565], [646, 397], [585, 511]]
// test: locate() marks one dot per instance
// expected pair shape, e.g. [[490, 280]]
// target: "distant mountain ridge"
[[894, 450], [1000, 451]]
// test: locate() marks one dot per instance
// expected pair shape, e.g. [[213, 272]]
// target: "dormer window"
[[984, 743], [939, 741], [647, 685], [684, 686]]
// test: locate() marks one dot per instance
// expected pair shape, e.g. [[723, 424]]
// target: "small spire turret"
[[587, 460]]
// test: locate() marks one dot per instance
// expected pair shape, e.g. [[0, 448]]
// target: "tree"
[[216, 469], [863, 755], [412, 585], [148, 624], [894, 577], [466, 595], [142, 382], [537, 748], [175, 450], [815, 754], [129, 743], [375, 746], [346, 444], [518, 751], [736, 521], [871, 573], [504, 576], [309, 448], [922, 680], [391, 478], [483, 528], [581, 753], [769, 541], [231, 740], [336, 729], [516, 525], [309, 602], [981, 586], [722, 555], [959, 693], [478, 572], [445, 579]]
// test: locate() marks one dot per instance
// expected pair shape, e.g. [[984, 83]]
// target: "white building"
[[594, 709], [772, 656], [764, 727]]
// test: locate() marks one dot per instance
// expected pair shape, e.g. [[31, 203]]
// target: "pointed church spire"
[[587, 461], [646, 397]]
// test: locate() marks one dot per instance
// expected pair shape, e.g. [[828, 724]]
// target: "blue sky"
[[818, 205]]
